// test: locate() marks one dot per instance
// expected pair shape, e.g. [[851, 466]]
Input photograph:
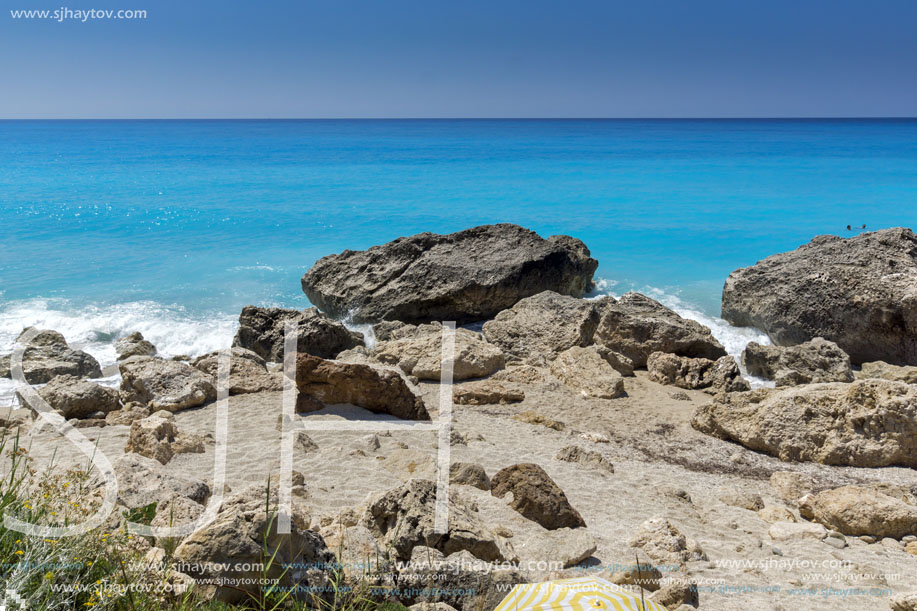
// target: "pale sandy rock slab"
[[860, 292], [142, 481], [585, 371], [790, 531], [792, 486], [864, 510], [47, 356], [419, 353], [636, 326], [776, 513], [261, 330], [167, 385], [486, 392], [536, 496], [817, 360], [661, 540], [568, 546], [75, 397], [248, 372], [868, 423], [738, 498], [466, 276], [882, 370], [127, 414], [590, 458]]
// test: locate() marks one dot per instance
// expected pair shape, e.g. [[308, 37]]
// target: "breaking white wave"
[[734, 339], [94, 329]]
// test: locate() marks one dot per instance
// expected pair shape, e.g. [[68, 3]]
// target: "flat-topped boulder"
[[859, 292], [261, 330], [817, 360], [466, 276], [164, 384], [867, 423], [75, 397], [636, 326], [856, 510], [48, 355], [247, 371]]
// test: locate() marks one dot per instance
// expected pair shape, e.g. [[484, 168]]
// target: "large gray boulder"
[[868, 423], [466, 276], [859, 292], [161, 384], [720, 375], [636, 326], [876, 510], [261, 330], [817, 360], [75, 397], [48, 355]]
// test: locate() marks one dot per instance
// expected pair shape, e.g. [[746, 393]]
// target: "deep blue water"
[[115, 224]]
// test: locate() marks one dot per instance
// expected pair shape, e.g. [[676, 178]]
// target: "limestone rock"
[[261, 330], [684, 372], [675, 593], [420, 353], [75, 397], [585, 371], [868, 423], [794, 531], [142, 481], [665, 544], [162, 384], [817, 360], [247, 371], [904, 602], [536, 496], [403, 519], [776, 513], [380, 391], [47, 356], [127, 414], [863, 510], [466, 276], [636, 326], [469, 474], [589, 458], [532, 417], [738, 498], [895, 373], [157, 437], [859, 292], [792, 486], [485, 392], [134, 345]]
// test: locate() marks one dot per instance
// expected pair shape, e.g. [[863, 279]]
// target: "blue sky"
[[431, 58]]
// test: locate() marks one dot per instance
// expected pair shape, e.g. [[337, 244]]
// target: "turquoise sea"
[[170, 227]]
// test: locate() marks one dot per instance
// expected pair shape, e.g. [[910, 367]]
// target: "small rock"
[[738, 498], [533, 417], [785, 531], [133, 345], [485, 393], [596, 437], [665, 544], [776, 513], [585, 371], [469, 474], [586, 457], [536, 496]]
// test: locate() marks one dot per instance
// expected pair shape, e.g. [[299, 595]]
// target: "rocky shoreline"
[[586, 432]]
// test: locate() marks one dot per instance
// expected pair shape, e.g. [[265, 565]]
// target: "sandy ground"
[[663, 468]]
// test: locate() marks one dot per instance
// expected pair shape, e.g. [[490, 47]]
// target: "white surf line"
[[221, 434]]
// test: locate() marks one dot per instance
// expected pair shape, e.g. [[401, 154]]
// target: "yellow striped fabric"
[[580, 594]]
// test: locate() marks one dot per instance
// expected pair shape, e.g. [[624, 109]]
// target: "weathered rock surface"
[[665, 544], [134, 345], [884, 371], [162, 384], [880, 511], [536, 496], [636, 326], [585, 371], [158, 438], [466, 276], [418, 351], [403, 519], [817, 360], [859, 292], [380, 391], [868, 423], [47, 356], [261, 330], [590, 458], [720, 375], [128, 414], [247, 371], [485, 392], [76, 397], [903, 602], [792, 486], [542, 326], [794, 531], [469, 474], [142, 481], [238, 536]]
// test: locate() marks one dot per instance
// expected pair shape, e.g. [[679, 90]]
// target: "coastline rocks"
[[143, 480], [485, 392], [75, 397], [158, 438], [242, 534], [884, 371], [403, 518], [867, 423], [161, 384], [48, 355], [261, 330], [466, 276], [585, 371], [880, 511], [794, 531], [247, 372], [418, 351], [536, 496], [542, 326], [133, 345], [665, 544], [810, 362], [636, 326], [378, 390], [684, 372], [859, 292]]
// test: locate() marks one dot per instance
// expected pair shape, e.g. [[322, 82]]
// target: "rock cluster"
[[47, 356], [720, 375], [157, 437], [466, 276], [817, 360]]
